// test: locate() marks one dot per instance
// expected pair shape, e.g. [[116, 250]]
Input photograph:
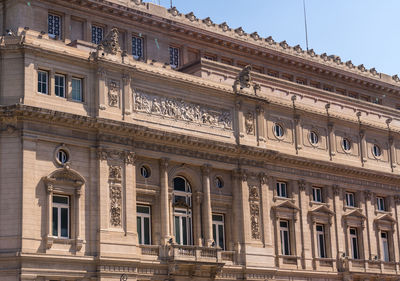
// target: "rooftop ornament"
[[311, 53], [284, 44], [224, 26], [191, 16], [255, 36], [174, 11], [239, 31], [298, 49], [396, 78], [208, 21], [350, 64], [362, 68]]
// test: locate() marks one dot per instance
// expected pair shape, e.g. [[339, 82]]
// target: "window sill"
[[315, 203], [50, 240], [377, 212], [279, 198]]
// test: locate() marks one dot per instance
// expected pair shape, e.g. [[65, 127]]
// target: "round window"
[[219, 182], [376, 150], [145, 172], [62, 156], [346, 144], [278, 130], [314, 137]]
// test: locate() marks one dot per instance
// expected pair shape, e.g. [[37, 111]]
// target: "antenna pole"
[[170, 1], [305, 22]]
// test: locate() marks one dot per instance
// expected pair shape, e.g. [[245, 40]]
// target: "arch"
[[65, 176], [186, 172]]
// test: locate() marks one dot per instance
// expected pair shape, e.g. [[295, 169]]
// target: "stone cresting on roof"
[[270, 42]]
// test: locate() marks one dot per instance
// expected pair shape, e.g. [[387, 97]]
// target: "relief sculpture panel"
[[254, 202], [182, 110]]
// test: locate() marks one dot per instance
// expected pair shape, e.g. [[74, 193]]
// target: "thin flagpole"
[[305, 22]]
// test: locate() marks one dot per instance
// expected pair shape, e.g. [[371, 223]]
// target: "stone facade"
[[137, 142]]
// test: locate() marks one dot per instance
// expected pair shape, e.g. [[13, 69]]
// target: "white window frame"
[[346, 143], [59, 207], [182, 213], [58, 86], [315, 192], [376, 150], [41, 82], [143, 216], [347, 198], [278, 130], [216, 224], [385, 246], [321, 243], [314, 138], [174, 56], [136, 49], [380, 203], [355, 250], [52, 33], [285, 235], [80, 89], [281, 187]]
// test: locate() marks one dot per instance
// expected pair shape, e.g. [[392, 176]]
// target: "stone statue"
[[244, 83], [110, 44]]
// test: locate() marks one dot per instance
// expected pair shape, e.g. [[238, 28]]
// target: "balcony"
[[187, 253]]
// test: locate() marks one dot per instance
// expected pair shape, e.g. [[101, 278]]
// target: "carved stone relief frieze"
[[249, 123], [115, 178], [180, 110], [254, 201], [113, 93]]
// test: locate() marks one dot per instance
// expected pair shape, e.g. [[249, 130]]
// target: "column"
[[297, 132], [49, 211], [260, 124], [197, 219], [392, 151], [130, 190], [363, 147], [207, 216], [126, 101], [339, 231], [101, 76], [266, 209], [371, 249], [331, 140], [237, 218], [240, 130], [165, 234]]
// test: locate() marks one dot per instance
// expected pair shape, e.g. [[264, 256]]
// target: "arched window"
[[182, 211]]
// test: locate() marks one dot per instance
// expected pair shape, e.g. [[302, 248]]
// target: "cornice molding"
[[200, 148]]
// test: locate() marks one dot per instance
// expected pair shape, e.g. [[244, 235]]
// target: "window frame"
[[60, 31], [386, 255], [64, 87], [376, 151], [278, 128], [97, 27], [43, 83], [182, 213], [143, 216], [346, 148], [314, 190], [285, 238], [314, 138], [60, 206], [381, 203], [346, 199], [322, 249], [142, 56], [216, 232], [81, 89], [355, 251], [172, 62], [281, 185]]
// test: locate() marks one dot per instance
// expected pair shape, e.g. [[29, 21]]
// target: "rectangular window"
[[385, 246], [183, 226], [144, 224], [76, 89], [285, 238], [137, 47], [380, 201], [321, 240], [60, 216], [317, 194], [97, 34], [218, 230], [350, 199], [54, 26], [174, 57], [281, 189], [354, 243], [43, 78], [59, 85]]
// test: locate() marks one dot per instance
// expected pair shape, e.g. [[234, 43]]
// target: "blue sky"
[[364, 31]]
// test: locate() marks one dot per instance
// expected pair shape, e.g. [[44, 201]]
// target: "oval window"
[[219, 182], [346, 144], [278, 130], [314, 137], [145, 172], [377, 151], [62, 156]]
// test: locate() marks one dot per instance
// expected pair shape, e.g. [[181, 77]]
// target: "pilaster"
[[164, 202], [304, 227], [261, 136], [370, 239], [127, 101], [207, 216]]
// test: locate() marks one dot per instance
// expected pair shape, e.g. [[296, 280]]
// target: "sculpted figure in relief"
[[249, 123], [110, 44], [113, 93], [181, 110]]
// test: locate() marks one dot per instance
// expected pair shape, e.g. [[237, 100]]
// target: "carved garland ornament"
[[254, 201], [181, 110], [115, 176]]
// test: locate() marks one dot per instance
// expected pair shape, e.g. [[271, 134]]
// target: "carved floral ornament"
[[181, 110], [254, 202], [117, 155]]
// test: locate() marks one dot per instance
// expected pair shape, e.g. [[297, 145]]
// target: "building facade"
[[139, 143]]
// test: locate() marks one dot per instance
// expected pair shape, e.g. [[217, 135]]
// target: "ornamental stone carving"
[[110, 44], [113, 93], [244, 83], [115, 205], [115, 173], [249, 123], [180, 110], [254, 201], [117, 155]]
